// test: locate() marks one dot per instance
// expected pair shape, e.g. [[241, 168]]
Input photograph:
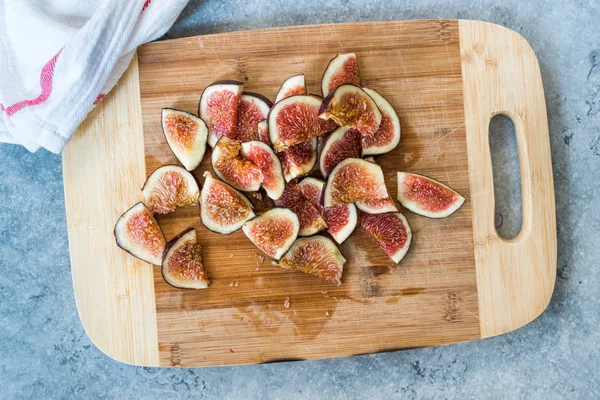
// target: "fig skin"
[[152, 256], [341, 69], [252, 109], [436, 199], [185, 236], [222, 128], [388, 135], [292, 86], [191, 146], [342, 143], [352, 180], [274, 247], [163, 193], [390, 231]]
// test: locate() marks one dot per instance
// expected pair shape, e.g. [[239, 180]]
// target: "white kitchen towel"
[[58, 58]]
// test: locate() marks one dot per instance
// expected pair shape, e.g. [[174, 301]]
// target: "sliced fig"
[[274, 231], [186, 136], [292, 86], [349, 105], [168, 188], [299, 159], [222, 208], [387, 136], [263, 156], [138, 233], [312, 189], [342, 69], [263, 132], [317, 256], [252, 109], [232, 167], [352, 180], [377, 206], [311, 220], [342, 143], [390, 231], [219, 109], [427, 197], [182, 262], [295, 120]]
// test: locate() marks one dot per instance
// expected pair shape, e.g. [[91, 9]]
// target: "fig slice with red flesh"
[[387, 137], [292, 86], [352, 180], [138, 233], [299, 159], [252, 109], [182, 262], [349, 105], [263, 156], [342, 143], [340, 219], [342, 69], [427, 197], [186, 136], [222, 208], [317, 256], [274, 231], [390, 231], [218, 107], [377, 206], [231, 166], [311, 220], [295, 120], [263, 132], [168, 188]]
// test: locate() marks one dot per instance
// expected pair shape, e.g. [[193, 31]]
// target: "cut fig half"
[[292, 86], [295, 120], [299, 159], [312, 189], [427, 197], [390, 231], [311, 220], [377, 206], [186, 136], [317, 256], [263, 156], [138, 233], [352, 180], [342, 143], [231, 166], [274, 231], [168, 188], [218, 107], [222, 208], [349, 105], [182, 262], [252, 109], [263, 132], [342, 69], [387, 137]]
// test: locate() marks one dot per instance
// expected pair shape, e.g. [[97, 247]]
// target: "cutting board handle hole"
[[507, 176]]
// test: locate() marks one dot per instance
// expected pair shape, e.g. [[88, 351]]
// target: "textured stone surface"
[[44, 352]]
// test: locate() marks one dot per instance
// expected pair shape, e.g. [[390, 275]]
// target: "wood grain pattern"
[[501, 75]]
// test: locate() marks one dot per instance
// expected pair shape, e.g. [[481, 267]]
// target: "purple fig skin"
[[326, 101]]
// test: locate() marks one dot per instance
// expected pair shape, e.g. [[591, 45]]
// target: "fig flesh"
[[299, 159], [353, 180], [292, 86], [263, 132], [252, 109], [168, 188], [349, 105], [390, 231], [295, 120], [387, 137], [311, 220], [274, 231], [377, 206], [261, 155], [317, 256], [222, 208], [138, 233], [218, 107], [342, 69], [186, 136], [342, 143], [427, 197], [231, 166], [182, 262]]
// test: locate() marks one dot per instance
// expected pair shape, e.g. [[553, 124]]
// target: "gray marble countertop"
[[45, 354]]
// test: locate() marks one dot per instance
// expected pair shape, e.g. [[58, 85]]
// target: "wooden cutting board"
[[460, 281]]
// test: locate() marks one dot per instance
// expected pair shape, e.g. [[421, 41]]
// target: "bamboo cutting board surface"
[[460, 280]]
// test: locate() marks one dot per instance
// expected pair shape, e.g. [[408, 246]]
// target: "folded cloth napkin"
[[58, 58]]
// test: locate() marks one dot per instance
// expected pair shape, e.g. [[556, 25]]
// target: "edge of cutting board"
[[115, 292]]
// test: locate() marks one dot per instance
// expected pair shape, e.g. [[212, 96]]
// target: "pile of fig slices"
[[257, 145]]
